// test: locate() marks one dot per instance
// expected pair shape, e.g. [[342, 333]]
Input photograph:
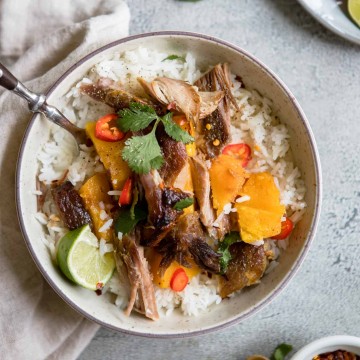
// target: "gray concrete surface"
[[323, 71]]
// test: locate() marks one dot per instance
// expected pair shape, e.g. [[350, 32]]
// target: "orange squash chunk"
[[93, 192], [260, 217], [154, 260], [110, 156], [227, 177]]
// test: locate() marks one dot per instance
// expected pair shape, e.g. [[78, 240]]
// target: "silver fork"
[[37, 104]]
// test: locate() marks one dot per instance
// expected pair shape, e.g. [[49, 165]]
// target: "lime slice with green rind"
[[80, 260], [354, 10]]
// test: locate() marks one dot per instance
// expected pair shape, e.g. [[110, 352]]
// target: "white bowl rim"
[[317, 208], [320, 344]]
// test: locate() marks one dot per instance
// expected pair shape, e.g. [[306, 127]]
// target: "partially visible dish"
[[338, 347], [332, 15]]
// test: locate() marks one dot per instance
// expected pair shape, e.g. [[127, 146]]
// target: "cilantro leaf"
[[136, 118], [175, 57], [175, 131], [157, 162], [125, 222], [143, 153], [224, 251], [281, 351], [184, 203]]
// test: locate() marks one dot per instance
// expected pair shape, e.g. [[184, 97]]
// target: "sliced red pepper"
[[179, 280], [126, 193], [106, 130], [241, 151], [286, 227]]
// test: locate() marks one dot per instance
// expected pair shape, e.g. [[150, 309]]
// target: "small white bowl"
[[255, 75], [328, 344]]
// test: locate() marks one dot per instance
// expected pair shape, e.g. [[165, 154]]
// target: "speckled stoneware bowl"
[[255, 75], [329, 344]]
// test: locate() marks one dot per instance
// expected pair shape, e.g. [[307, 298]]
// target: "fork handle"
[[7, 79], [37, 103], [10, 82]]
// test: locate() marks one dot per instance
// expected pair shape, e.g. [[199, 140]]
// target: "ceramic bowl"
[[331, 14], [328, 344], [255, 75]]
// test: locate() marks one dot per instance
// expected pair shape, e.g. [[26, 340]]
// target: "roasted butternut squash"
[[227, 177], [260, 217], [94, 192], [154, 259], [110, 156]]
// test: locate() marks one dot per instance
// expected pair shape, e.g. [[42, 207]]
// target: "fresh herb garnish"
[[184, 203], [136, 118], [143, 153], [125, 222], [175, 57], [281, 351], [224, 251], [175, 131]]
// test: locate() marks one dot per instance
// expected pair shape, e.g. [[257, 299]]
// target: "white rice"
[[255, 125], [242, 199], [103, 214], [105, 247], [114, 193], [106, 226]]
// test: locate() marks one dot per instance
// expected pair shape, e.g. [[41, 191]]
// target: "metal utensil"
[[37, 104]]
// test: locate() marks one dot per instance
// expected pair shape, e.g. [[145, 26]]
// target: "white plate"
[[329, 13]]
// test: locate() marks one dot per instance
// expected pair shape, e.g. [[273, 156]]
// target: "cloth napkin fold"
[[35, 323]]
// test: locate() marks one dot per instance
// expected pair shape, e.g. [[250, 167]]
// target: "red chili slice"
[[106, 130], [241, 151], [179, 280], [126, 193], [286, 228]]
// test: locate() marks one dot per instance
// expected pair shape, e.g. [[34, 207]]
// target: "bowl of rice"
[[266, 117]]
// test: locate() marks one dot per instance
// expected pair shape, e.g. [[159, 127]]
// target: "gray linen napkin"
[[35, 323]]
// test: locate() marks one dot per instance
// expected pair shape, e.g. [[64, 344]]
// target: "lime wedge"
[[354, 10], [80, 260]]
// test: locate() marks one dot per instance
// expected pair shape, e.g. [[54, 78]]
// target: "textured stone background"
[[323, 72]]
